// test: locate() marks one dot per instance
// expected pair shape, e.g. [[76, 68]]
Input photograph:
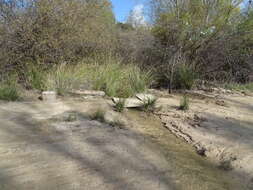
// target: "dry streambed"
[[42, 147], [219, 128]]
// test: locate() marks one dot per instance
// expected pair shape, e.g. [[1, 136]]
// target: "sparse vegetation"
[[118, 80], [240, 87], [98, 115], [226, 165], [185, 77], [184, 103], [9, 90], [149, 105], [64, 78], [35, 77], [120, 105], [117, 123]]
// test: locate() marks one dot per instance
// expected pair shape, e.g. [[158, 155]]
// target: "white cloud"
[[137, 17]]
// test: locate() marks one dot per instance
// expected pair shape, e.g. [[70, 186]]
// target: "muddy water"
[[189, 171]]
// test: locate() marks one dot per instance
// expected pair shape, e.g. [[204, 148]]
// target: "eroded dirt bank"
[[39, 151], [219, 128]]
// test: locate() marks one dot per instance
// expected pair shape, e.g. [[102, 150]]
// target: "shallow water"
[[189, 170]]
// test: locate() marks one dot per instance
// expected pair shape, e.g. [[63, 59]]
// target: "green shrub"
[[9, 90], [149, 105], [184, 103], [64, 79], [35, 77], [99, 115], [185, 77], [120, 105], [100, 73], [119, 80], [117, 124], [239, 87]]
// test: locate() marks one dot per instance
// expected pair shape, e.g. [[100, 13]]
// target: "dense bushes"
[[64, 45], [214, 36], [52, 32]]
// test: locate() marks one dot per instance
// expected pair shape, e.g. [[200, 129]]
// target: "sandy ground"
[[220, 131], [40, 151]]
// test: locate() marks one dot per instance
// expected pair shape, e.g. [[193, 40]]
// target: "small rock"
[[221, 103], [89, 93], [145, 97], [130, 102], [49, 96]]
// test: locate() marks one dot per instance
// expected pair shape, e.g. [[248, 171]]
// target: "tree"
[[187, 28], [53, 31]]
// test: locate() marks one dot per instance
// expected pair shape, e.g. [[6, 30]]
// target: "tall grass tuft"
[[185, 77], [107, 74], [9, 90], [64, 79], [35, 77], [120, 105], [239, 87], [184, 103], [119, 80], [149, 105]]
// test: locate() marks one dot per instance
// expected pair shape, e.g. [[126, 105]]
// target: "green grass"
[[9, 90], [98, 115], [120, 105], [108, 75], [105, 73], [118, 80], [184, 103], [35, 77], [185, 77], [240, 87], [149, 105], [64, 78]]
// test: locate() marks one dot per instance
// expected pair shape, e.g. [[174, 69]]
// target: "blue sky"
[[123, 7]]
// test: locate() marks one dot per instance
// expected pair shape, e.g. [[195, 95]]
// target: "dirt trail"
[[37, 152]]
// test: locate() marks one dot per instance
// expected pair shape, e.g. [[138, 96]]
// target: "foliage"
[[54, 31], [120, 105], [117, 123], [64, 79], [99, 115], [35, 77], [185, 77], [149, 105], [119, 80], [9, 90], [240, 87], [184, 103], [210, 34]]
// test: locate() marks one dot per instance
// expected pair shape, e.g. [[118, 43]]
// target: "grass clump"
[[9, 90], [98, 115], [240, 87], [117, 124], [118, 80], [106, 74], [185, 77], [35, 77], [120, 105], [184, 103], [64, 78], [149, 105]]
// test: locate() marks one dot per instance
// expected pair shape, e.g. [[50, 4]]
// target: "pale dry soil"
[[220, 128], [40, 148]]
